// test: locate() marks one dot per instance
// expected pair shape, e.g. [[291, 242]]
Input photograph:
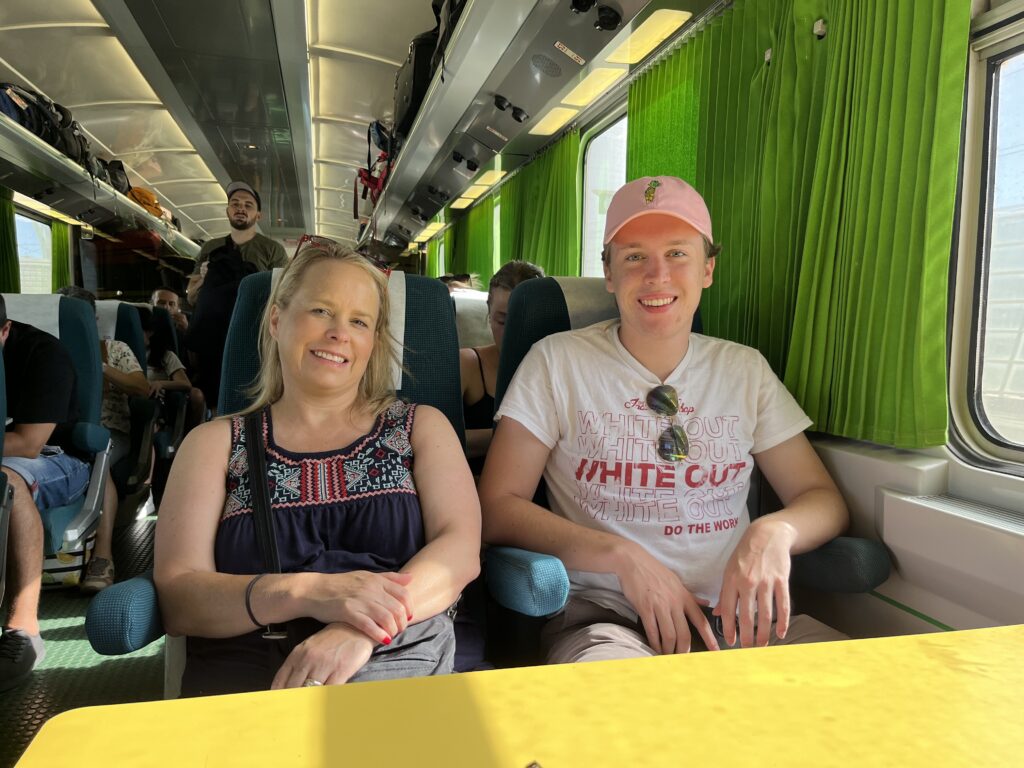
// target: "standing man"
[[41, 407], [213, 287], [244, 211], [169, 300], [647, 435]]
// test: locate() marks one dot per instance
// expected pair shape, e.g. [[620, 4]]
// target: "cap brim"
[[611, 236]]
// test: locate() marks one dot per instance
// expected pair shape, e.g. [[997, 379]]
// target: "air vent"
[[543, 64]]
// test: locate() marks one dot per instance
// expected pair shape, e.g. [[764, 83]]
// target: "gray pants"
[[584, 631]]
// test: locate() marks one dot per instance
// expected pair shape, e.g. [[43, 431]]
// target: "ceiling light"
[[593, 85], [553, 120], [34, 205], [462, 202], [475, 191], [648, 36], [489, 178]]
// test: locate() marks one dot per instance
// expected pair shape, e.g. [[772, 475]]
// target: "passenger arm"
[[515, 463], [179, 382], [27, 440], [197, 600], [133, 383], [451, 517], [758, 570]]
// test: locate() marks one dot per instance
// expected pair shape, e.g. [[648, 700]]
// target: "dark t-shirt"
[[40, 382]]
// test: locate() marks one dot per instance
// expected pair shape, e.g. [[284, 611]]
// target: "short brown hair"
[[511, 274]]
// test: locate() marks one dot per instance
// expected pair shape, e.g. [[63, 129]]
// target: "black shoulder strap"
[[264, 521]]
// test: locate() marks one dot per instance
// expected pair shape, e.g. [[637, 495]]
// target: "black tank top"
[[480, 415]]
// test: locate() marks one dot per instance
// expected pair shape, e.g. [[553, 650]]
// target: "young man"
[[41, 406], [646, 435], [244, 211]]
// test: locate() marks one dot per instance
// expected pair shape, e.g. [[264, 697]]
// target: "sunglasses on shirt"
[[672, 445], [325, 242]]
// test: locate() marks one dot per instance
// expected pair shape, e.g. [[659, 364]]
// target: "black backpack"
[[208, 330]]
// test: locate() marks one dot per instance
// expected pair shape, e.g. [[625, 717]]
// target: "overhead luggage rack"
[[32, 167]]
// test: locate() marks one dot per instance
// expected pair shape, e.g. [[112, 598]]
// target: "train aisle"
[[73, 675]]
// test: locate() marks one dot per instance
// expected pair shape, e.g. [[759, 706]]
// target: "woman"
[[479, 365], [164, 369], [377, 520]]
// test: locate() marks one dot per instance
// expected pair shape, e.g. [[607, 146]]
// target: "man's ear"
[[5, 330]]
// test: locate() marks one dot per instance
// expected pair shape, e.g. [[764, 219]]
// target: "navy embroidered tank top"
[[342, 510]]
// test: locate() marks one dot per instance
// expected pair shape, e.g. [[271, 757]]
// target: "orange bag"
[[147, 199]]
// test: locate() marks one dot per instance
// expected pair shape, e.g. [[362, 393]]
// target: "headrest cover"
[[39, 311], [587, 300], [106, 318]]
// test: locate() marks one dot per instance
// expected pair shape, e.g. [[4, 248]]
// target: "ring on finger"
[[311, 683]]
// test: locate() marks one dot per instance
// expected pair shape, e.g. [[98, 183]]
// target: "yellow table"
[[947, 699]]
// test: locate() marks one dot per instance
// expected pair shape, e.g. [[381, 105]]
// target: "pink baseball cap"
[[657, 194]]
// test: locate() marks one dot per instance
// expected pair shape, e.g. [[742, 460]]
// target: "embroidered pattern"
[[380, 463]]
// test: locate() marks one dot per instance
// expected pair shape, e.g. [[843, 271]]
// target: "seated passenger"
[[377, 520], [122, 378], [41, 406], [479, 365], [646, 435], [165, 371], [169, 300]]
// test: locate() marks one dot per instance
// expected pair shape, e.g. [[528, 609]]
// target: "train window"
[[35, 254], [999, 389], [604, 171]]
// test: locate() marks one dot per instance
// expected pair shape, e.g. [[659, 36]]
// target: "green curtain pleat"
[[474, 242], [433, 258], [511, 214], [830, 174], [10, 273], [60, 265], [548, 221]]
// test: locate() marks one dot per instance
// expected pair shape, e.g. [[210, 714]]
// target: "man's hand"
[[662, 602], [331, 657], [757, 572], [180, 321]]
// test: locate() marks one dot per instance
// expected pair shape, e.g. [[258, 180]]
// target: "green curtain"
[[433, 257], [540, 210], [10, 273], [811, 165], [60, 269], [474, 242]]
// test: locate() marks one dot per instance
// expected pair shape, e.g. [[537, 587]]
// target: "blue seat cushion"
[[55, 522]]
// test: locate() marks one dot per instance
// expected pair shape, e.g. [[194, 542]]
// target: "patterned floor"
[[73, 675]]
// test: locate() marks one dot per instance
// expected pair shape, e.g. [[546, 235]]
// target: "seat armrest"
[[845, 564], [526, 582], [124, 617]]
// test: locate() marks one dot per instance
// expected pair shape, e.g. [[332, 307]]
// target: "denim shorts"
[[54, 478]]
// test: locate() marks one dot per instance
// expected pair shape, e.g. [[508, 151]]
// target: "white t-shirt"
[[170, 366], [583, 395]]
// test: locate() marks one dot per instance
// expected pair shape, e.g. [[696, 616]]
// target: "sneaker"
[[19, 655], [99, 574]]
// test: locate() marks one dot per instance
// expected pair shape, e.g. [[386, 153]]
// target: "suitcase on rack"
[[412, 81]]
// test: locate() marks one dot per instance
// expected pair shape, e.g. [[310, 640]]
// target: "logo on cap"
[[649, 192]]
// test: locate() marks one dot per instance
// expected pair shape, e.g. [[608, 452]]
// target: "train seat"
[[119, 320], [67, 529], [5, 490], [471, 318], [125, 617], [537, 585]]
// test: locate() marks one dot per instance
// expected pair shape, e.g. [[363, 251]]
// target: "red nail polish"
[[409, 617], [386, 640]]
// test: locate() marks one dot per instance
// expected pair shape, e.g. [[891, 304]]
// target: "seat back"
[[5, 493], [73, 323], [120, 320], [421, 319]]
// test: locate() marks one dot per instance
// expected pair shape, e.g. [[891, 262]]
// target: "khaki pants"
[[587, 632]]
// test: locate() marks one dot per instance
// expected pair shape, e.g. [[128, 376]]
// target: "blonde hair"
[[376, 392]]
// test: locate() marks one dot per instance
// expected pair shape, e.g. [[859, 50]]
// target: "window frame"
[[593, 130], [39, 218], [995, 37]]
